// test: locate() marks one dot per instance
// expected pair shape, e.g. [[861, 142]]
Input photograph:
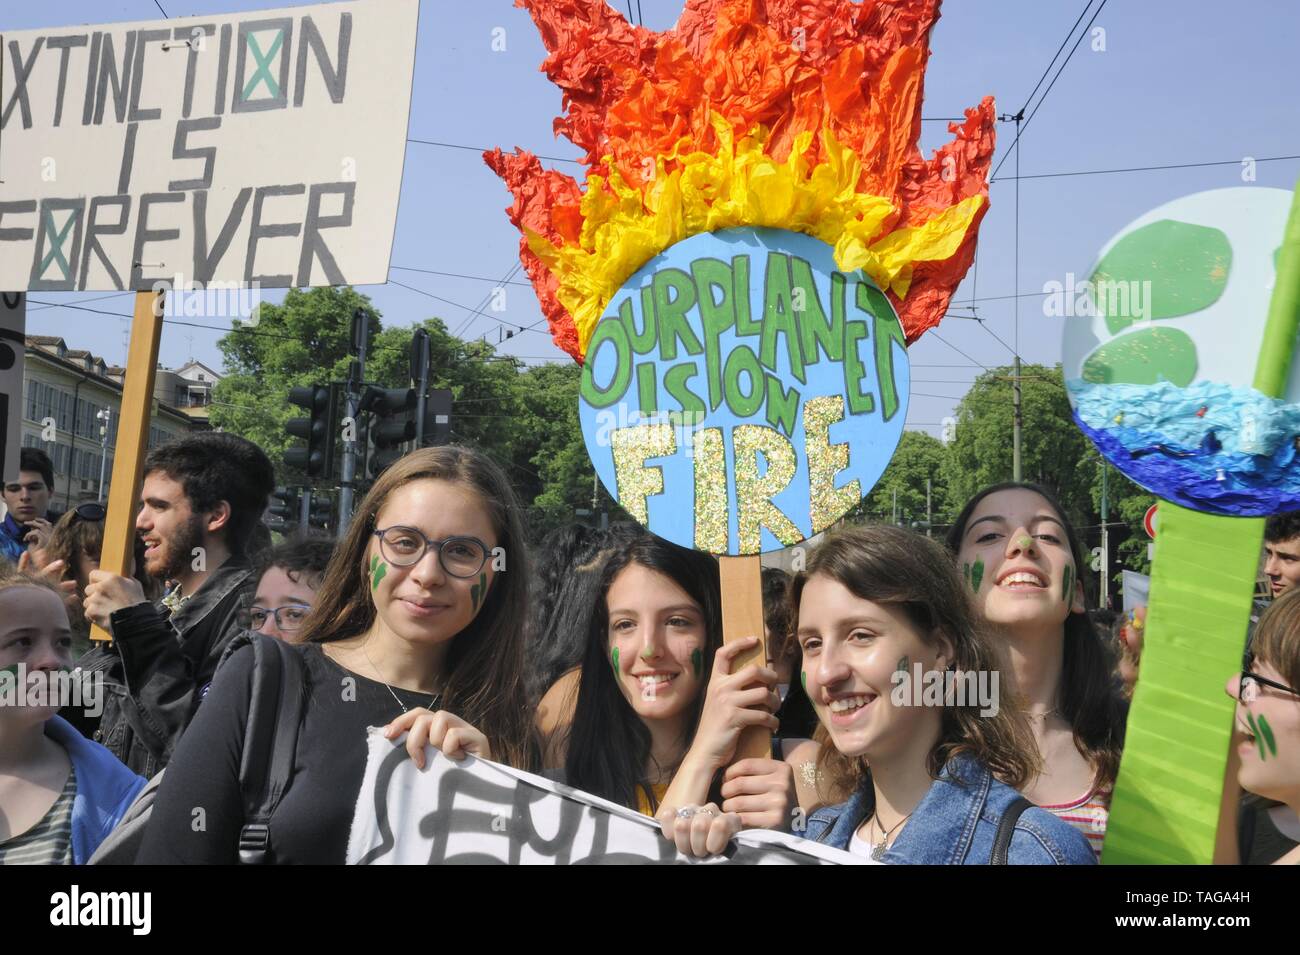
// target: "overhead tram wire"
[[1021, 129], [1180, 165], [458, 275]]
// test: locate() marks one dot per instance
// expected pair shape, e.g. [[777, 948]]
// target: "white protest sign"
[[258, 148], [13, 350], [476, 811]]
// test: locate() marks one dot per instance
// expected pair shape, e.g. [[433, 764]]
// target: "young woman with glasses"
[[418, 627], [1267, 692], [289, 576]]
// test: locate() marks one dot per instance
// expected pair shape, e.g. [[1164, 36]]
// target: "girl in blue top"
[[917, 720], [60, 794]]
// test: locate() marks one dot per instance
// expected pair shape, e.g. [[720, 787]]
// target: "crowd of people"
[[596, 658]]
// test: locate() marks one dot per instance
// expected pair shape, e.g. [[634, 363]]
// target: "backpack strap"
[[270, 738], [1007, 826]]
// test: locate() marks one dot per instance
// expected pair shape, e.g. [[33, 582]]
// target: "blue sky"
[[1179, 81]]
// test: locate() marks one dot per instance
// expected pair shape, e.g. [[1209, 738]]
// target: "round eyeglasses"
[[459, 556], [287, 619], [1248, 687]]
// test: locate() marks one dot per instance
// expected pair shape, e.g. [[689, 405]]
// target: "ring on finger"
[[685, 812]]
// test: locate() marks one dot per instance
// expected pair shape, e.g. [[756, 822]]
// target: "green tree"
[[305, 340], [903, 485], [1053, 449]]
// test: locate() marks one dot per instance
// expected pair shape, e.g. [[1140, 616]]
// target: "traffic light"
[[317, 458], [435, 419], [391, 425], [284, 510], [322, 511]]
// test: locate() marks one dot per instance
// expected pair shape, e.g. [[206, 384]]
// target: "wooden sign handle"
[[132, 440], [742, 616]]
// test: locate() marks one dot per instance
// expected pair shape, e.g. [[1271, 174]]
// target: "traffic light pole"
[[351, 401], [304, 510]]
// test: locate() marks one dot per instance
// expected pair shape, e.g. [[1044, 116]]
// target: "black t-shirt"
[[312, 822]]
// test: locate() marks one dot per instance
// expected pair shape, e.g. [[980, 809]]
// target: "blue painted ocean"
[[1237, 458]]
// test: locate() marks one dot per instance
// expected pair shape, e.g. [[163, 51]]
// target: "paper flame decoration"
[[794, 114]]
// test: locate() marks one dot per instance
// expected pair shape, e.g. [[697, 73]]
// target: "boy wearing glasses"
[[28, 499], [202, 495]]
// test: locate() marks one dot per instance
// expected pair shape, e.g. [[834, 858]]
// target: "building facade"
[[68, 394]]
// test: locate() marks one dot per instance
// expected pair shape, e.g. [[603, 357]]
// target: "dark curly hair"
[[1282, 527], [212, 466]]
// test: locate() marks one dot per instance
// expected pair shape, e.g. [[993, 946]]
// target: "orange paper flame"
[[798, 114]]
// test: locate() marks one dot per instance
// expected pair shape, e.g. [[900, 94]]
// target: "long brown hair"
[[899, 568], [1089, 699], [484, 666]]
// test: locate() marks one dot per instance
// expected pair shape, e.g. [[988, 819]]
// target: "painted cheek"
[[478, 592], [378, 569], [697, 662], [977, 574], [1067, 585], [613, 659]]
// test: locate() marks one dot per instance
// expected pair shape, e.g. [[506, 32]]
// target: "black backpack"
[[275, 709]]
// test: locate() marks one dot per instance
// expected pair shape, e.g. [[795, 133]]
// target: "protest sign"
[[1195, 397], [734, 418], [476, 812], [13, 350], [741, 394], [259, 148]]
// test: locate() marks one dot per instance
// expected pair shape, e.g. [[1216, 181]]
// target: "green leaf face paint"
[[803, 680], [478, 591], [697, 662], [377, 570], [1266, 732], [965, 573], [1258, 735], [1067, 585], [613, 659], [977, 574]]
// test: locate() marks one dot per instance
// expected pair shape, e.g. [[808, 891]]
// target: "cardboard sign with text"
[[258, 148], [741, 394]]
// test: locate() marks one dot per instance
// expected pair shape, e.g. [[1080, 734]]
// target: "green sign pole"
[[1166, 803]]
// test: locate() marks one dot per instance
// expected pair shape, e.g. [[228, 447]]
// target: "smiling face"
[[1270, 754], [34, 630], [851, 649], [1282, 565], [422, 603], [168, 526], [656, 640], [1016, 559]]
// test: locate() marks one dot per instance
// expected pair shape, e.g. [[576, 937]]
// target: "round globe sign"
[[740, 394], [1162, 342]]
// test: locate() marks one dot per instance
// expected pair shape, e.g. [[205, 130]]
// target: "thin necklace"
[[433, 703], [878, 849]]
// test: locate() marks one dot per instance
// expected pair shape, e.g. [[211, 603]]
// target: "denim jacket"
[[955, 824]]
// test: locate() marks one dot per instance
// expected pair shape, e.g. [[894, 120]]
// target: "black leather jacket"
[[159, 666]]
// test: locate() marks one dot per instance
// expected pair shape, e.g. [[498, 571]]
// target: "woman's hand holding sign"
[[442, 731]]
